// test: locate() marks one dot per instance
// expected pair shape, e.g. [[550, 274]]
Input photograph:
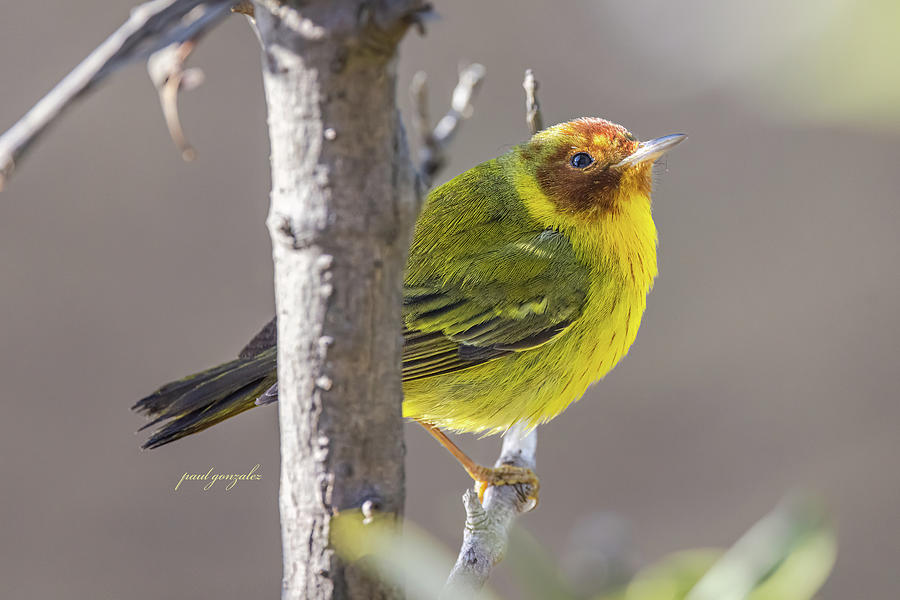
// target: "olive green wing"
[[506, 298]]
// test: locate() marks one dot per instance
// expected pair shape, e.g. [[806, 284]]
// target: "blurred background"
[[767, 360]]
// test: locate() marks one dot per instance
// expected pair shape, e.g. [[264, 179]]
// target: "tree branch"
[[433, 143], [343, 205], [169, 76], [151, 27], [487, 527]]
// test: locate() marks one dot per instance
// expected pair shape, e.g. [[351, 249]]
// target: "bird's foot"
[[525, 481]]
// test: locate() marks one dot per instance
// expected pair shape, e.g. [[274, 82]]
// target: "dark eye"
[[581, 160]]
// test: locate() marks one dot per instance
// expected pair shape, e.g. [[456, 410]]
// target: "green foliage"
[[787, 555]]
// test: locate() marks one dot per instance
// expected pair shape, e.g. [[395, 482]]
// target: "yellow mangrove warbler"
[[526, 282]]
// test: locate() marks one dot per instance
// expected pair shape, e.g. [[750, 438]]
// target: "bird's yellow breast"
[[536, 385]]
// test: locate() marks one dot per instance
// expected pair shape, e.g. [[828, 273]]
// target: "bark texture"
[[342, 209]]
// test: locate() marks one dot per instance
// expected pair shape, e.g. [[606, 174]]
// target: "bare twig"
[[532, 107], [433, 143], [151, 27], [487, 527], [167, 72]]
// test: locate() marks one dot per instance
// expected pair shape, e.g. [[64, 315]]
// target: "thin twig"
[[433, 143], [151, 27], [487, 527], [532, 107], [167, 72]]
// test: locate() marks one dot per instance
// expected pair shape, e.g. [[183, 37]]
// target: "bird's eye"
[[581, 160]]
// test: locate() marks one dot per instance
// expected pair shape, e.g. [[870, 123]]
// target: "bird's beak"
[[650, 150]]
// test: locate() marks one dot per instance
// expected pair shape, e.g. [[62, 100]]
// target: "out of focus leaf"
[[786, 556], [803, 571], [788, 553], [410, 558], [673, 577]]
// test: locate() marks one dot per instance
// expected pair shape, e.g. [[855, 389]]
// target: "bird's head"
[[587, 169]]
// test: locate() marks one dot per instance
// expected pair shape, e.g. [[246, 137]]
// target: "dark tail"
[[201, 400]]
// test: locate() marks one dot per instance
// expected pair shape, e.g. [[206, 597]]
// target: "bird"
[[526, 282]]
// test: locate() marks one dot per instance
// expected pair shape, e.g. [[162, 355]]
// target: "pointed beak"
[[651, 150]]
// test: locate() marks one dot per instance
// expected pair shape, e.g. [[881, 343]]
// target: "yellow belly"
[[536, 385]]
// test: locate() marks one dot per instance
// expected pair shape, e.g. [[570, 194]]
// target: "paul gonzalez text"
[[211, 477]]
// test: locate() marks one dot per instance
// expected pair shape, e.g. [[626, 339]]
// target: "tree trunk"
[[342, 209]]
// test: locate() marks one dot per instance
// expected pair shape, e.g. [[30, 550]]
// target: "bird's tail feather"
[[201, 400]]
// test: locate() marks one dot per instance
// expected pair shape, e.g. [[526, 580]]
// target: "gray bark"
[[342, 208]]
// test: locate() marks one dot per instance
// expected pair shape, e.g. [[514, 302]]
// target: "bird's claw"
[[525, 481]]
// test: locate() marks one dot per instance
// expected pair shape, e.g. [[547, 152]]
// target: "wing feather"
[[456, 323]]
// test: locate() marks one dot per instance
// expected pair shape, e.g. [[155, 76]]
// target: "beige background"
[[767, 359]]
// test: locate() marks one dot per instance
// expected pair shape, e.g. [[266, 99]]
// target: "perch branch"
[[151, 27], [487, 527], [433, 143]]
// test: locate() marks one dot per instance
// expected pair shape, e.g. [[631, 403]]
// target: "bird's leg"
[[488, 476]]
